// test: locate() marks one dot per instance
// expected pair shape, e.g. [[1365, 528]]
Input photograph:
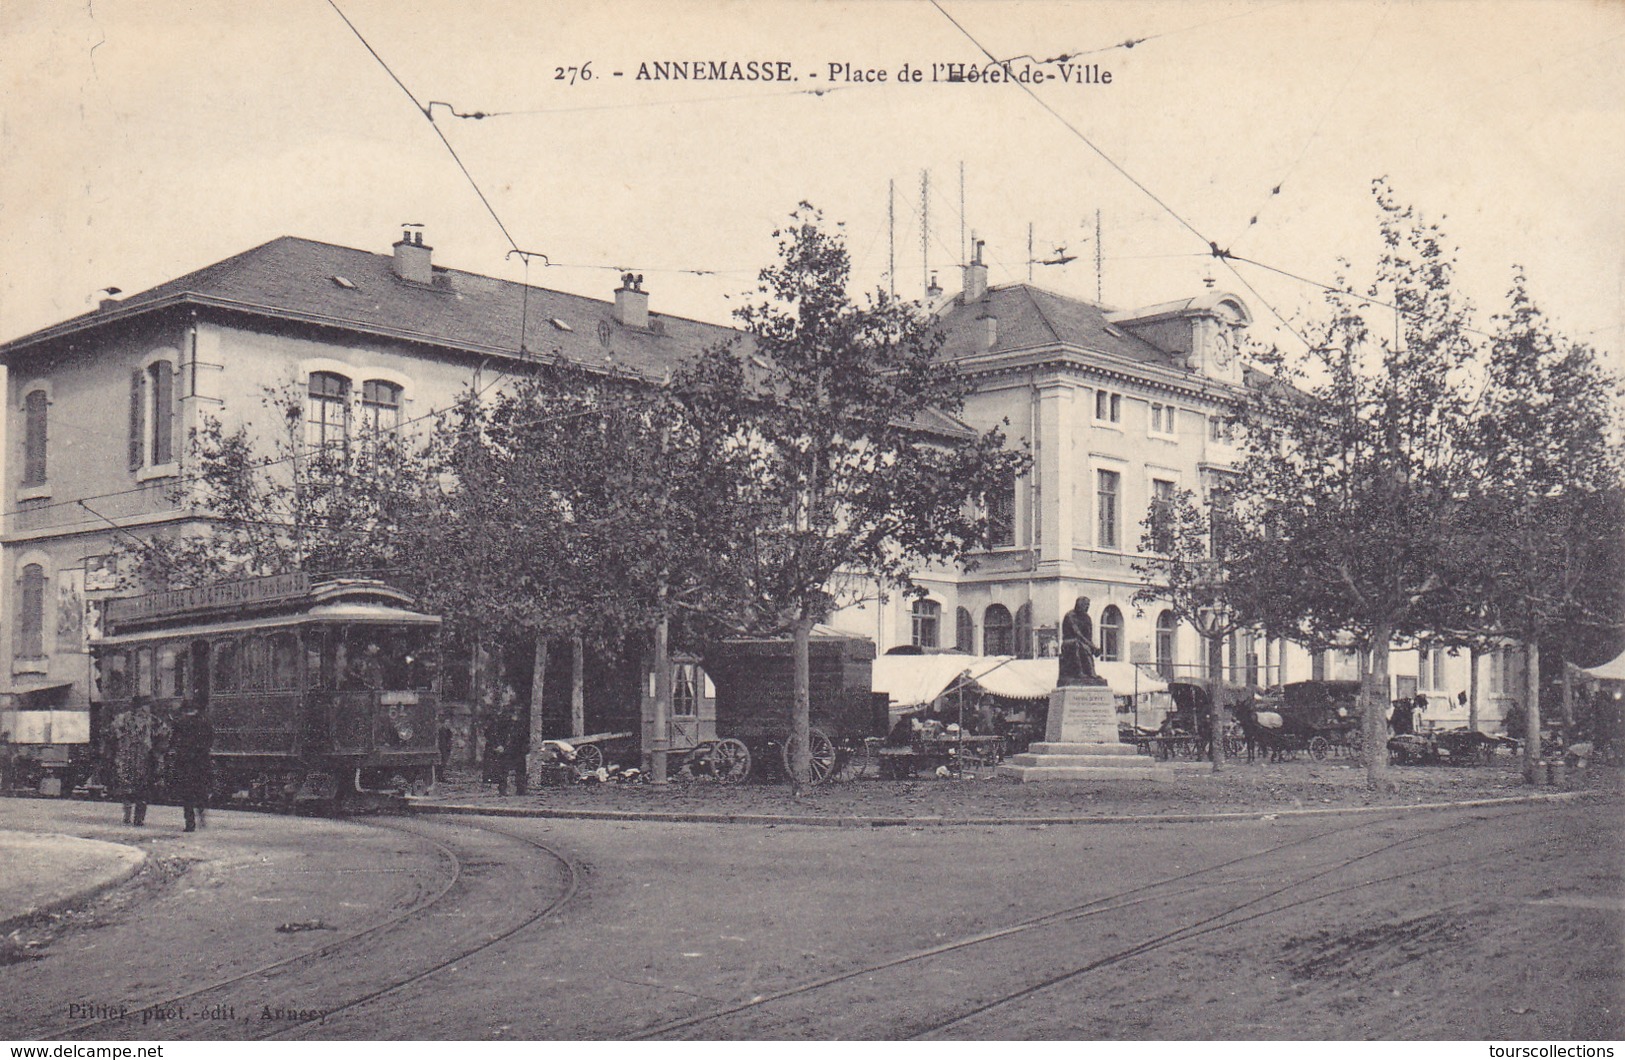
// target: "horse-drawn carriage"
[[1320, 718]]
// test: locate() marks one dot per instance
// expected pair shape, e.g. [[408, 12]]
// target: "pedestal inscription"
[[1082, 714]]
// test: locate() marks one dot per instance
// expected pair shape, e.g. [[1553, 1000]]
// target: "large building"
[[1117, 408]]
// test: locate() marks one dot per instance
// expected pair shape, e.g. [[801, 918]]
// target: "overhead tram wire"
[[1314, 133], [1134, 42]]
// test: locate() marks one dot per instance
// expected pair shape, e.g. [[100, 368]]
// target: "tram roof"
[[370, 614]]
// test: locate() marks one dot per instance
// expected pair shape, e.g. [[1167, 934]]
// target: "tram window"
[[168, 685], [143, 672], [284, 661], [253, 664], [113, 673], [315, 648], [225, 666]]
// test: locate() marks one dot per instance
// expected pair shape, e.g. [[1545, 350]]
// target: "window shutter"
[[163, 412], [30, 643], [137, 420], [34, 409]]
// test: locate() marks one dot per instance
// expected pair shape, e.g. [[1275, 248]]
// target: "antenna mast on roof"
[[962, 258], [891, 235], [1100, 265], [925, 230]]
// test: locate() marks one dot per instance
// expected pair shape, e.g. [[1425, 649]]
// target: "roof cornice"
[[1068, 357]]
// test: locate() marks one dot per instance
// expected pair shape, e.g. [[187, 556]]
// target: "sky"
[[142, 139]]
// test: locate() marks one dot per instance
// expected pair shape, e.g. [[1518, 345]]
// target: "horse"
[[1258, 735]]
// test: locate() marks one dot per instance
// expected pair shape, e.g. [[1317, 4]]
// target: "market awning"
[[37, 697], [917, 680], [1612, 670]]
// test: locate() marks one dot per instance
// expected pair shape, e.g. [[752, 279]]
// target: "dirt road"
[[1486, 923]]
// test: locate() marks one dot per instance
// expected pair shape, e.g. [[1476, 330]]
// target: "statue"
[[1077, 647]]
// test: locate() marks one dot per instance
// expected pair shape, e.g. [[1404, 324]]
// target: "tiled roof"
[[319, 283], [1029, 316], [293, 279]]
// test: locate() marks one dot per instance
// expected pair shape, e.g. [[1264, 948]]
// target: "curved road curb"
[[79, 896], [820, 821]]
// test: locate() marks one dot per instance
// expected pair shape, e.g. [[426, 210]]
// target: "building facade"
[[1116, 408]]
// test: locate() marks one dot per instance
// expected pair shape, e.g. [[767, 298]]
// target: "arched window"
[[380, 406], [30, 642], [997, 631], [1024, 631], [964, 631], [327, 413], [1111, 634], [927, 623], [1167, 626], [34, 406]]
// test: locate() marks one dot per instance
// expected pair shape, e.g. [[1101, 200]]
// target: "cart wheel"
[[821, 757], [730, 761], [589, 758], [1319, 748], [864, 759]]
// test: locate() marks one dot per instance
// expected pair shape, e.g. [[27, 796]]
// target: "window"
[[30, 635], [1220, 504], [1001, 514], [997, 631], [34, 406], [1162, 418], [327, 414], [964, 631], [685, 698], [1317, 665], [380, 406], [315, 655], [225, 666], [161, 375], [1161, 515], [1166, 627], [1111, 634], [169, 675], [1107, 484], [927, 623], [113, 676], [144, 672], [1430, 666], [284, 661], [253, 673], [1218, 429], [1023, 647], [1108, 407]]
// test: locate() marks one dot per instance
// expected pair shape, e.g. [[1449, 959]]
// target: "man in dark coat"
[[190, 775], [515, 735], [1077, 665]]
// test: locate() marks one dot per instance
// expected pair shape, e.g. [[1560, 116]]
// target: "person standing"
[[137, 736], [515, 743], [190, 774]]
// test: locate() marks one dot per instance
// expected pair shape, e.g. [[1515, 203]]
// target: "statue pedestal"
[[1082, 714], [1080, 743]]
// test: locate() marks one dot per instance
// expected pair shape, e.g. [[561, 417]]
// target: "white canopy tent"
[[1612, 670], [915, 681]]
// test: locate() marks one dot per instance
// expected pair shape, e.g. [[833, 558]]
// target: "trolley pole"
[[661, 744]]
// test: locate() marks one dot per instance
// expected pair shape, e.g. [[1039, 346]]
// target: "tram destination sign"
[[224, 596]]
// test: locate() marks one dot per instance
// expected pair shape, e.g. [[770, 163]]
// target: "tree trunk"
[[1374, 713], [1472, 689], [662, 721], [476, 716], [538, 709], [801, 705], [1215, 706], [1531, 712], [1568, 700], [578, 691]]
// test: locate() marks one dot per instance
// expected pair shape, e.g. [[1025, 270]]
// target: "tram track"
[[455, 887], [1161, 890]]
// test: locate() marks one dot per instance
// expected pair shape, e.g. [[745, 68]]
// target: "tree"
[[344, 507], [1545, 496], [1356, 461], [1192, 551], [855, 476]]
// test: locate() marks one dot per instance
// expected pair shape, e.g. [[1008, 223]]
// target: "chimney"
[[934, 290], [975, 277], [632, 302], [111, 300], [412, 259]]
